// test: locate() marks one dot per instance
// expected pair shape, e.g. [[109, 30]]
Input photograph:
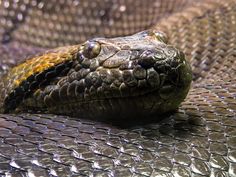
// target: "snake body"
[[139, 76]]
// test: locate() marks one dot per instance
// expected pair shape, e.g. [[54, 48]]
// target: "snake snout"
[[167, 70], [165, 62]]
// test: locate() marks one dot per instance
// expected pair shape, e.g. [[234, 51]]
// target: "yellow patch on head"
[[40, 63]]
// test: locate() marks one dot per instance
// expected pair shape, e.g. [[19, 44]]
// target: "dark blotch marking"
[[32, 83]]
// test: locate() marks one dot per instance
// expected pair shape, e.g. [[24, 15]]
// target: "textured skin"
[[119, 78], [198, 140], [33, 74]]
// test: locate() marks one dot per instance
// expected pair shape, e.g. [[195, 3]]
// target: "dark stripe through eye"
[[38, 80]]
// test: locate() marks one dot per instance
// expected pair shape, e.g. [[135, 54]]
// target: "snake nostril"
[[173, 76], [146, 62], [147, 59], [160, 68], [174, 63]]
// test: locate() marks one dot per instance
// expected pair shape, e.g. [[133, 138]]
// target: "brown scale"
[[24, 79], [34, 82]]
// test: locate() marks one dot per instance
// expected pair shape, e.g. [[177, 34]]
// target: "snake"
[[160, 102], [101, 77]]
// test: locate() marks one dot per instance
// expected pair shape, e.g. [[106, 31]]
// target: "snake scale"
[[198, 139]]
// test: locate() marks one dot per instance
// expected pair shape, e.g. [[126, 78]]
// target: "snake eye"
[[91, 49]]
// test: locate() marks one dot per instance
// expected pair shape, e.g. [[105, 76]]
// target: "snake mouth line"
[[144, 102], [122, 101]]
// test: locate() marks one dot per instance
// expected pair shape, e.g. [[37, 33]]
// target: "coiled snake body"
[[131, 82]]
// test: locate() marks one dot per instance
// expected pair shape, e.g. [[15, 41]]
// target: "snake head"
[[123, 77]]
